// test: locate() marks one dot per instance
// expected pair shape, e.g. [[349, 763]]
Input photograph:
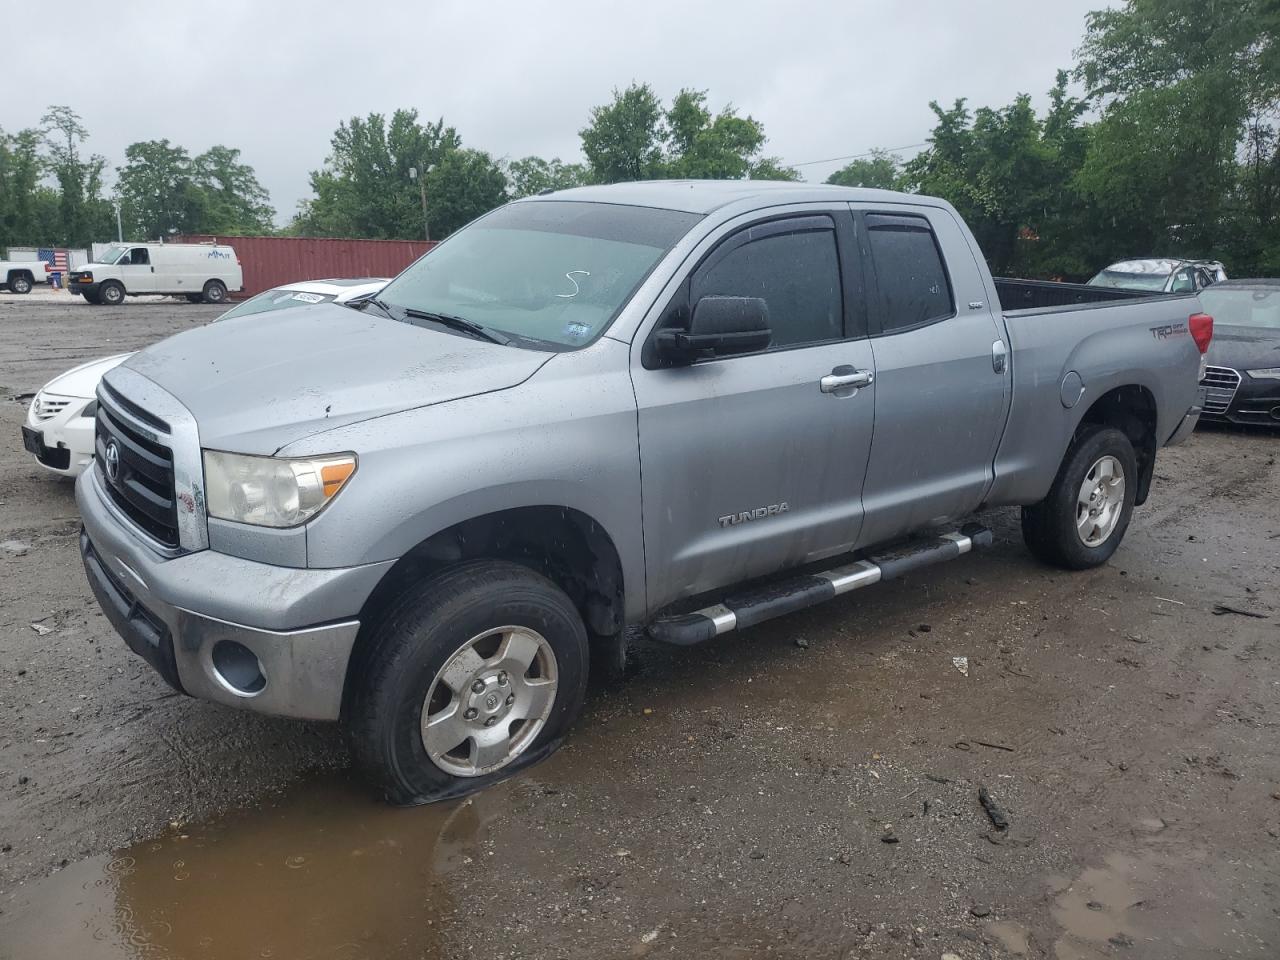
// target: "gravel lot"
[[736, 800]]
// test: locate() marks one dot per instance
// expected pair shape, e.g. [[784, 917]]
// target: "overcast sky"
[[274, 78]]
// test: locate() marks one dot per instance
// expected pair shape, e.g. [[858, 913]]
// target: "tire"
[[20, 283], [215, 291], [111, 293], [398, 675], [195, 298], [1062, 529]]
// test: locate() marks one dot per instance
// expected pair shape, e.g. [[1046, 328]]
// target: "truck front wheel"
[[463, 680], [1083, 519], [111, 293]]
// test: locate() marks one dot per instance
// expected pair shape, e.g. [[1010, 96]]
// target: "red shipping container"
[[271, 261]]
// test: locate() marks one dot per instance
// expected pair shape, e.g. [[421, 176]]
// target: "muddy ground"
[[729, 801]]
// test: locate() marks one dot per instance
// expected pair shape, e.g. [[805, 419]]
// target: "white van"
[[199, 271]]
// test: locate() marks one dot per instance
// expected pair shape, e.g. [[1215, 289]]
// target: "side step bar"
[[787, 596]]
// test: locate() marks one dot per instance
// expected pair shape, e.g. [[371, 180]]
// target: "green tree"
[[704, 147], [771, 168], [158, 192], [364, 188], [232, 200], [462, 186], [635, 138], [532, 175], [881, 170], [1010, 175], [24, 213], [623, 140], [1182, 159]]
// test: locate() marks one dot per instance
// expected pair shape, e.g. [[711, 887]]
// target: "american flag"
[[55, 257]]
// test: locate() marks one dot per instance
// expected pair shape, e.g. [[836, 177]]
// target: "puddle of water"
[[1179, 900], [328, 873], [1012, 936]]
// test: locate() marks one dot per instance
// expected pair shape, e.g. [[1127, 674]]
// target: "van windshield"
[[113, 253], [553, 272]]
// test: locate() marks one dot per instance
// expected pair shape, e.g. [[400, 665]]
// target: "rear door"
[[942, 376], [752, 463]]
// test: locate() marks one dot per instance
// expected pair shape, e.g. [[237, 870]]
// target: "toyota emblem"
[[112, 456]]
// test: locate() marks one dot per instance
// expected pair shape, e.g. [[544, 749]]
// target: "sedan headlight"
[[272, 491], [1266, 373]]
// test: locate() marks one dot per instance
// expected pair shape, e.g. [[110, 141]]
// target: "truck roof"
[[704, 196]]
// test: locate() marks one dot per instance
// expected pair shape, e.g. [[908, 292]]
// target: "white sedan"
[[59, 431]]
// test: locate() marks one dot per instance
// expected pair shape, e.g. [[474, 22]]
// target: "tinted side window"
[[140, 256], [796, 274], [913, 283], [1182, 282]]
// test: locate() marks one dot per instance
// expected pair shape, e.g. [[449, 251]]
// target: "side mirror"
[[720, 326]]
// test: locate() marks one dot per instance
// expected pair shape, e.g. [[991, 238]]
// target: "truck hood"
[[82, 381], [257, 383], [1244, 348]]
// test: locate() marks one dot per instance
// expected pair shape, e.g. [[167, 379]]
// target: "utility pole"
[[422, 187], [119, 229]]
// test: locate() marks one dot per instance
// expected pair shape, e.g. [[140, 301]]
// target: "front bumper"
[[193, 615], [1256, 403], [65, 440], [77, 289]]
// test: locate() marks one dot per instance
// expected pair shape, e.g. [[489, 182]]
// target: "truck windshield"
[[1130, 281], [553, 272], [1255, 307]]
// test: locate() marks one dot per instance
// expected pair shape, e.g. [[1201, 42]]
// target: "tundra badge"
[[759, 513]]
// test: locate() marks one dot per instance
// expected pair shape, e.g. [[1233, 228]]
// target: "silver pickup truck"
[[682, 406]]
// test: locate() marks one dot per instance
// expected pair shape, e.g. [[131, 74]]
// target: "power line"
[[858, 156]]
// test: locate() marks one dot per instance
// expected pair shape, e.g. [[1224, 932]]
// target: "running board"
[[787, 596]]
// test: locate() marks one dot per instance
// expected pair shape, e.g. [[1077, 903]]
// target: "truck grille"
[[135, 469], [1220, 385]]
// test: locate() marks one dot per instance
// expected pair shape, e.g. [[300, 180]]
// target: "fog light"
[[238, 667]]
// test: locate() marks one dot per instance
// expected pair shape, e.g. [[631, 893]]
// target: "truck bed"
[[1039, 294]]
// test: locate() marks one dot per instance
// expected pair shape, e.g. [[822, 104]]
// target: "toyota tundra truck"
[[682, 407]]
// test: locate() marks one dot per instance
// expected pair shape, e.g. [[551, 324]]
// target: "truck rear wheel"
[[1083, 519], [215, 291], [464, 680], [20, 283], [111, 293]]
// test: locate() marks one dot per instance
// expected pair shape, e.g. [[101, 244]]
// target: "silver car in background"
[[1161, 275]]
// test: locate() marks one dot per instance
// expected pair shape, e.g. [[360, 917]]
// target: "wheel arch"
[[1132, 409], [564, 544]]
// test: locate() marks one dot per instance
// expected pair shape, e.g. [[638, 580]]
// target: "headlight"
[[90, 409], [1266, 373], [272, 491]]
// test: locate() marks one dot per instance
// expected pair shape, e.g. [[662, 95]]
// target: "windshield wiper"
[[461, 324], [365, 301]]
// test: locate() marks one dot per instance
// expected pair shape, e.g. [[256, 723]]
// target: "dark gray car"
[[1242, 380]]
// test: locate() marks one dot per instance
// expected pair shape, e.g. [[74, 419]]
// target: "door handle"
[[846, 378], [999, 353]]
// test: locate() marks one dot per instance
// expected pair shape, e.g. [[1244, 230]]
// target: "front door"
[[754, 463], [137, 272], [942, 374]]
